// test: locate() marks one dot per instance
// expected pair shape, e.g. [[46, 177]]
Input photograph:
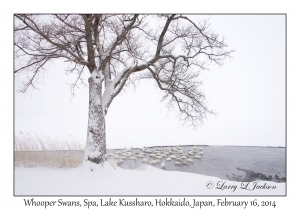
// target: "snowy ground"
[[122, 182]]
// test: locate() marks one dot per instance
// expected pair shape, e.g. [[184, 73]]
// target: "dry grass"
[[55, 159], [27, 142], [44, 151]]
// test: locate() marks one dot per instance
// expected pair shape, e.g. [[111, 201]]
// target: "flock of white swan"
[[180, 155]]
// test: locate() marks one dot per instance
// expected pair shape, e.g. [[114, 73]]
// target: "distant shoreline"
[[160, 146]]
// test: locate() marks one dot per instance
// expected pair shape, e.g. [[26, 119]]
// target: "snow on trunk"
[[95, 151]]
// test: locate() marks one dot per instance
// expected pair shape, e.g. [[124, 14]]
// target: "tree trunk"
[[95, 150]]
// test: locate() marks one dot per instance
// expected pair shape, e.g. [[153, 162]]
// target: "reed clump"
[[44, 151]]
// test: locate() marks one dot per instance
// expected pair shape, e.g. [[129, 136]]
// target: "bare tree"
[[171, 50]]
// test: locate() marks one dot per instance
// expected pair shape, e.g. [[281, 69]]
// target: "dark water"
[[230, 163]]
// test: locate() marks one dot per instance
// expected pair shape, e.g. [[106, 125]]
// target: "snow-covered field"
[[122, 182]]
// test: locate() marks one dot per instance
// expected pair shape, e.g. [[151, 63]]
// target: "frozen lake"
[[238, 163]]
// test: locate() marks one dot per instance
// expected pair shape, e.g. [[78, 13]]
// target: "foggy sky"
[[247, 93]]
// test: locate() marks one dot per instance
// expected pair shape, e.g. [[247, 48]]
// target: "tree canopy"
[[170, 49]]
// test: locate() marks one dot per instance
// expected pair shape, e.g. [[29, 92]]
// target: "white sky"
[[247, 93]]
